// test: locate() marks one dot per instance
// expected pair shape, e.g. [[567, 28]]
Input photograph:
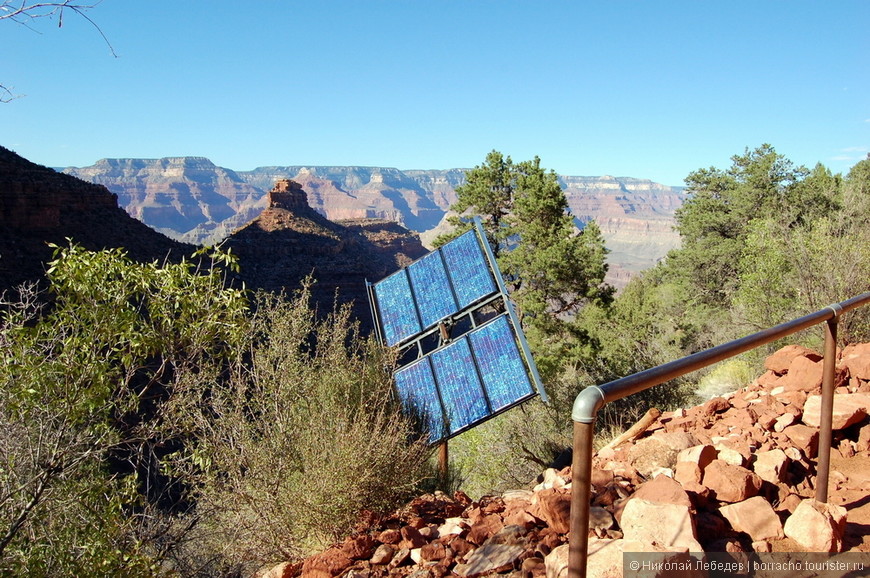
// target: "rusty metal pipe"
[[823, 461], [581, 491]]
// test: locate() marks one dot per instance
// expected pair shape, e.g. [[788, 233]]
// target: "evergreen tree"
[[551, 267]]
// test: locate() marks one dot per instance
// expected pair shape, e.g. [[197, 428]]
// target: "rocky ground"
[[736, 474]]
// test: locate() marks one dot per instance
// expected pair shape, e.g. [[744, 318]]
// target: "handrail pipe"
[[591, 399]]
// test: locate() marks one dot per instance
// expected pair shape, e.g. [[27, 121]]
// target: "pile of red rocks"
[[736, 474]]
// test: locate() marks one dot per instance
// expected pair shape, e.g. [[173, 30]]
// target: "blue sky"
[[643, 89]]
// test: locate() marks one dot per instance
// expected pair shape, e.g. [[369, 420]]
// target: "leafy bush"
[[153, 423], [294, 448]]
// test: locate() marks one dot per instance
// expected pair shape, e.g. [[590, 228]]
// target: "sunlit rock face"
[[191, 199]]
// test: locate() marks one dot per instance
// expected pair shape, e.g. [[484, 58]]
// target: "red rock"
[[662, 490], [554, 507], [754, 517], [701, 455], [520, 517], [769, 380], [460, 546], [489, 559], [534, 567], [848, 409], [359, 547], [484, 528], [804, 374], [730, 483], [781, 360], [817, 526], [383, 554], [433, 551], [669, 525], [716, 405], [411, 538], [771, 466], [804, 438], [857, 359], [659, 450], [390, 536], [688, 473], [328, 564]]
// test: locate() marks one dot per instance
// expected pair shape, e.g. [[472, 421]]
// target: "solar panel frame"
[[470, 378]]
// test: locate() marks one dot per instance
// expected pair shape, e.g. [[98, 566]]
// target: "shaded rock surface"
[[38, 205]]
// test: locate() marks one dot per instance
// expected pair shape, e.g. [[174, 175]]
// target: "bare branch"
[[24, 13]]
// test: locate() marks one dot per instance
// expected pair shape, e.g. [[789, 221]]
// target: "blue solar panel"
[[396, 303], [501, 366], [460, 387], [432, 289], [469, 270], [415, 386]]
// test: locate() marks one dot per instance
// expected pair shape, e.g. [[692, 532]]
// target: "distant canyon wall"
[[193, 200]]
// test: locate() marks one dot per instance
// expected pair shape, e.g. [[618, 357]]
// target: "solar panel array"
[[434, 287], [471, 377]]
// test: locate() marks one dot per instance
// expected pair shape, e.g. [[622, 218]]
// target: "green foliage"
[[149, 413], [292, 451], [552, 269], [79, 384]]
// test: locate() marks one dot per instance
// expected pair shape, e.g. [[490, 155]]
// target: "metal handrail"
[[589, 401]]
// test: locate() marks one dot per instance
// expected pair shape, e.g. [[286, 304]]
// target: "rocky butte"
[[289, 241]]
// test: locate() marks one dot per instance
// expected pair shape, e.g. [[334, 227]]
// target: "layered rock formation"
[[187, 198], [39, 205], [289, 240], [192, 199], [728, 476]]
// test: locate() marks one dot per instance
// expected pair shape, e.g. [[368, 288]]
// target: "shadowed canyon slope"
[[191, 199], [39, 205]]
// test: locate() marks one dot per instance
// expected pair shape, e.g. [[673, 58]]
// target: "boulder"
[[848, 409], [771, 466], [553, 506], [328, 564], [754, 517], [663, 490], [780, 361], [857, 359], [659, 450], [804, 438], [817, 526], [489, 559], [804, 374], [666, 524], [730, 483]]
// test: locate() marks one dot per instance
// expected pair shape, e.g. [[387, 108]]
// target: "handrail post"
[[581, 490], [583, 413], [823, 464]]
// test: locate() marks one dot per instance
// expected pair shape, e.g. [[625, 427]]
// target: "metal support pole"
[[823, 463], [443, 461], [581, 491]]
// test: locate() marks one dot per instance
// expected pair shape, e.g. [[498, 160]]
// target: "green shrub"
[[296, 447]]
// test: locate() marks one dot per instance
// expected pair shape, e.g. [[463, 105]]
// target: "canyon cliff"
[[191, 199]]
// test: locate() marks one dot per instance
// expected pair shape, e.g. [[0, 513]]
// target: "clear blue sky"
[[648, 89]]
